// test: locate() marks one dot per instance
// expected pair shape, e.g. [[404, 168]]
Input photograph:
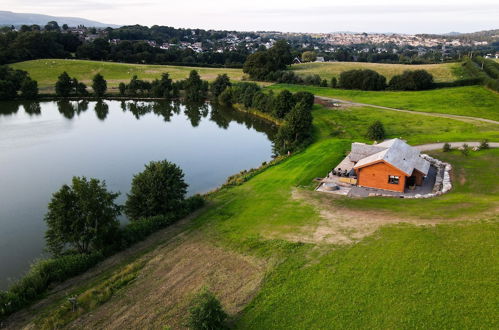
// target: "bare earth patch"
[[341, 225], [161, 294]]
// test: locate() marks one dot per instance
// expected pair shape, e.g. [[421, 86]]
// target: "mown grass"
[[404, 277], [445, 72], [46, 71], [474, 101]]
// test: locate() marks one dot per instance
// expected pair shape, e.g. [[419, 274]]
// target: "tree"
[[29, 89], [309, 56], [81, 89], [99, 85], [262, 63], [159, 189], [122, 88], [82, 216], [447, 147], [296, 129], [283, 104], [206, 312], [376, 131], [52, 26], [195, 88], [220, 84], [163, 87], [63, 85]]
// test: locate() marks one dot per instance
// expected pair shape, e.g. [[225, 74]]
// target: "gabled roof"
[[398, 154], [362, 150]]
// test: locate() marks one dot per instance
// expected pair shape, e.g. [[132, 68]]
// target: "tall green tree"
[[64, 84], [220, 84], [163, 87], [283, 104], [99, 85], [195, 88], [159, 189], [81, 216], [29, 89]]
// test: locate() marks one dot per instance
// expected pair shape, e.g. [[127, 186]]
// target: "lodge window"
[[393, 179]]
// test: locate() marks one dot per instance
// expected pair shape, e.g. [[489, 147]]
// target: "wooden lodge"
[[391, 165]]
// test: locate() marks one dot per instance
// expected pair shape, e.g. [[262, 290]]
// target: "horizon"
[[318, 17]]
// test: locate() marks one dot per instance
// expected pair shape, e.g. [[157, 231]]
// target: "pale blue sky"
[[423, 16]]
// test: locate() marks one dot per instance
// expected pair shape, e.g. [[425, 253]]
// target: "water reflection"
[[195, 112]]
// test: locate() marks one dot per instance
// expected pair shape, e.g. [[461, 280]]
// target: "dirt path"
[[323, 100], [438, 146]]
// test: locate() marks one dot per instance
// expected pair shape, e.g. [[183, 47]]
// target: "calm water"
[[43, 145]]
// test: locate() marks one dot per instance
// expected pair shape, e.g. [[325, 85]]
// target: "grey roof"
[[362, 150], [398, 154]]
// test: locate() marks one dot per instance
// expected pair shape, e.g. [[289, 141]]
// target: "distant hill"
[[16, 19]]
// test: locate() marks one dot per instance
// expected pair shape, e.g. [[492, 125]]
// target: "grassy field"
[[281, 256], [474, 101], [46, 71], [441, 72]]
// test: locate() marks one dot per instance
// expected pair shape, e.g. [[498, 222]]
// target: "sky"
[[423, 16]]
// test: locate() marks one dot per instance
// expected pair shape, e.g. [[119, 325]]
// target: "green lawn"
[[404, 277], [441, 72], [475, 101], [46, 71]]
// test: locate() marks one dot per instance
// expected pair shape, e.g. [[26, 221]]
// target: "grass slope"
[[475, 101], [403, 276], [441, 72], [46, 71]]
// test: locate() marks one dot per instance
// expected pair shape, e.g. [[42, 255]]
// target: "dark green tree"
[[334, 82], [195, 88], [64, 85], [81, 89], [82, 216], [99, 85], [376, 131], [206, 312], [220, 84], [122, 88], [159, 189], [283, 104], [163, 87], [412, 81], [29, 89]]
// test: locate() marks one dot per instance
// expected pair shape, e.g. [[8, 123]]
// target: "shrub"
[[334, 82], [446, 147], [376, 131], [122, 88], [206, 313], [484, 144], [412, 81], [465, 150], [363, 80]]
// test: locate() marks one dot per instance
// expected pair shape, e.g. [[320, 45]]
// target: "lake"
[[44, 144]]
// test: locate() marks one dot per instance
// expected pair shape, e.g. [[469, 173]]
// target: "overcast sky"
[[423, 16]]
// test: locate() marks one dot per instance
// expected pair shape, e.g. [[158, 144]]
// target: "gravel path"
[[437, 146], [431, 114]]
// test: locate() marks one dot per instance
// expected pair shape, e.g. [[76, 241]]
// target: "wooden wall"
[[376, 176]]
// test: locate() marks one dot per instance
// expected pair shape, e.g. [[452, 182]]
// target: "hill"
[[16, 19], [441, 72], [46, 72]]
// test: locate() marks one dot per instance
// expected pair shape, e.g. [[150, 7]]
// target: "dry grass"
[[441, 72]]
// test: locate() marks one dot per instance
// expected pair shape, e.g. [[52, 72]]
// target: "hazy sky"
[[423, 16]]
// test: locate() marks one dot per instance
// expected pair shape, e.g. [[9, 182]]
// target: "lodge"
[[392, 165]]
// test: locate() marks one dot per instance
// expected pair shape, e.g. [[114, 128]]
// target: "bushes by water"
[[15, 82]]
